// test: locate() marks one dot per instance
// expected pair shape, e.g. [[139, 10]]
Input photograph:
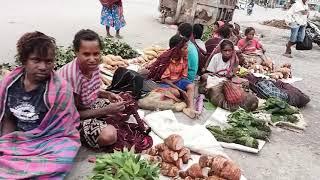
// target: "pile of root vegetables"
[[149, 55], [267, 67], [172, 155]]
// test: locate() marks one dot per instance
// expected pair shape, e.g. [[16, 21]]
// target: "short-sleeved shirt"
[[193, 61], [86, 88], [27, 109], [217, 65], [252, 48], [176, 70]]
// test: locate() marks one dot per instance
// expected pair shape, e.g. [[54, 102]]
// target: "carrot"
[[174, 142]]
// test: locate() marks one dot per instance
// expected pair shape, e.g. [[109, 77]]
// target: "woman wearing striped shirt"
[[92, 102]]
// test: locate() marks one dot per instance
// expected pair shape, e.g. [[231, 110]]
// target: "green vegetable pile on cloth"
[[281, 111], [118, 48], [124, 166], [244, 130]]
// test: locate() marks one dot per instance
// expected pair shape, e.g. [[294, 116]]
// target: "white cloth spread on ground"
[[196, 137]]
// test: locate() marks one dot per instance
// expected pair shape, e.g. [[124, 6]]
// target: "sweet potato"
[[225, 168], [179, 163], [161, 147], [194, 171], [152, 151], [214, 178], [174, 142], [169, 170], [169, 156], [205, 161]]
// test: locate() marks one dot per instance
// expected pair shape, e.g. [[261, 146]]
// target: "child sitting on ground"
[[175, 75], [250, 44]]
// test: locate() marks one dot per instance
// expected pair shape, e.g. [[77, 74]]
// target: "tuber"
[[169, 156], [205, 161], [174, 142], [169, 170], [224, 168], [152, 151], [194, 171], [161, 147], [155, 159]]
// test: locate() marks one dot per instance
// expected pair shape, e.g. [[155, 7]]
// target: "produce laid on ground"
[[276, 23], [124, 165], [218, 168], [266, 67], [281, 111], [149, 55], [171, 155], [244, 129]]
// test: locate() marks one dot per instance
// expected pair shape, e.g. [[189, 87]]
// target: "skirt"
[[113, 17]]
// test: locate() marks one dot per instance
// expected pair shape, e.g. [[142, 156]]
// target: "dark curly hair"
[[86, 35], [35, 42], [224, 32], [198, 31], [248, 30]]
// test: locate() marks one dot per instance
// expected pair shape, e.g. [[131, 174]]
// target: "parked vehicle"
[[204, 12], [313, 32]]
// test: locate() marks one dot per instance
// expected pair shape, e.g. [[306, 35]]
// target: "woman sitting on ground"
[[250, 47], [98, 116], [38, 135], [171, 69], [224, 89]]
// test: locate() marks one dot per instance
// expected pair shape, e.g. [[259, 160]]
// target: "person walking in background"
[[112, 16], [297, 18]]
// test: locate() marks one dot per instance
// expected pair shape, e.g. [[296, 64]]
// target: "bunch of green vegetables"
[[124, 166], [207, 33], [244, 130], [63, 56], [281, 110], [118, 48]]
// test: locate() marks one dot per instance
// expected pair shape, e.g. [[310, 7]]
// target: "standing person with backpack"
[[112, 16], [297, 19]]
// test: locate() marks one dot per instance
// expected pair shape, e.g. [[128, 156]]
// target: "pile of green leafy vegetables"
[[207, 33], [124, 166], [281, 110], [244, 129]]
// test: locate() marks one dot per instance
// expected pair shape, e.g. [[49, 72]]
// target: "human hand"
[[114, 97], [115, 107]]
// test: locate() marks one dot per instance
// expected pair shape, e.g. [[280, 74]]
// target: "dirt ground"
[[289, 155]]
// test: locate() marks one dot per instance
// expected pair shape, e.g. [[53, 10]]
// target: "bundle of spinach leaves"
[[281, 110], [244, 130], [124, 166]]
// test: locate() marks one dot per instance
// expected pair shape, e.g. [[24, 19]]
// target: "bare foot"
[[109, 36], [180, 106], [191, 113]]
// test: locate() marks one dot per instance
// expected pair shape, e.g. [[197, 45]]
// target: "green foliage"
[[281, 111], [207, 33], [244, 130], [124, 166], [118, 48]]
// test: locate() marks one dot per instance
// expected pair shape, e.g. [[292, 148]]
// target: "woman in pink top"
[[250, 47], [250, 44]]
